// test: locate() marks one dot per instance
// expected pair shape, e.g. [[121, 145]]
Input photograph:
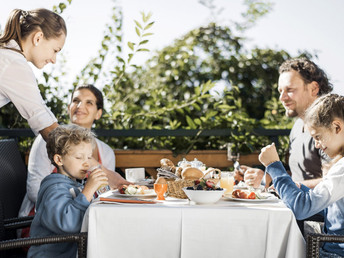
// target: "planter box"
[[150, 159]]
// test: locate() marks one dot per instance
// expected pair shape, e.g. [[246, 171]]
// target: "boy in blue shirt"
[[62, 201]]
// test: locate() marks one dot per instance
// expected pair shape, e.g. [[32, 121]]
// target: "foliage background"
[[174, 89]]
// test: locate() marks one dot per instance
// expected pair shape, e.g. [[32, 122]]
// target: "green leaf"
[[143, 42], [190, 122], [145, 18], [143, 50], [198, 121], [149, 25], [207, 86], [138, 24], [137, 31], [120, 59], [131, 45], [62, 6], [147, 34], [46, 76], [130, 57]]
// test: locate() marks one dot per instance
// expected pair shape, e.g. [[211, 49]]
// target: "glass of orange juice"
[[227, 181], [160, 190]]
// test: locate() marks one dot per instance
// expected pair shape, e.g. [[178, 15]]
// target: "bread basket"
[[175, 188]]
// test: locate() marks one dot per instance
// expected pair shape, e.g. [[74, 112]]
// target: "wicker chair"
[[13, 175], [12, 178], [314, 240], [15, 244]]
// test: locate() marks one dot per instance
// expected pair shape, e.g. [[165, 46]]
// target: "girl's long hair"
[[21, 24]]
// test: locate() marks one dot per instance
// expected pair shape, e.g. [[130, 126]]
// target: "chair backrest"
[[2, 227], [13, 174]]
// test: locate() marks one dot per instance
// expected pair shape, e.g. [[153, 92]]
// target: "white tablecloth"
[[225, 229]]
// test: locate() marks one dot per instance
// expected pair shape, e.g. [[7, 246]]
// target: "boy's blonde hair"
[[64, 136]]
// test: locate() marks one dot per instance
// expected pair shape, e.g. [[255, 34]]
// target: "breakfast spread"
[[204, 184], [187, 174], [133, 189], [192, 173], [243, 194]]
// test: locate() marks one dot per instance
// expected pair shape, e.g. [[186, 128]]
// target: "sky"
[[292, 25]]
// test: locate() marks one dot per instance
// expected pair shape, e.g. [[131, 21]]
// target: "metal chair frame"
[[314, 241]]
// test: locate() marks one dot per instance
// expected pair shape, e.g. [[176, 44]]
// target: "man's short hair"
[[309, 72]]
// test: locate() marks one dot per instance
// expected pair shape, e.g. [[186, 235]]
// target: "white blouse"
[[18, 85]]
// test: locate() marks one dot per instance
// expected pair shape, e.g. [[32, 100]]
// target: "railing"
[[150, 159], [271, 133]]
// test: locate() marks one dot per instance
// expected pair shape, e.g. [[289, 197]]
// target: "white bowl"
[[204, 196]]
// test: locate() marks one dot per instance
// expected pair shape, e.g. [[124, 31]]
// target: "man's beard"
[[291, 113]]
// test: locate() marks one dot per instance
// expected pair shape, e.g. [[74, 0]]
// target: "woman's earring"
[[36, 44]]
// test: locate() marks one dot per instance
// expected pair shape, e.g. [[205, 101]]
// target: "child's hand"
[[268, 155], [96, 178]]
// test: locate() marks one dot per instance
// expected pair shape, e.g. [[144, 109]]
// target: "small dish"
[[147, 193]]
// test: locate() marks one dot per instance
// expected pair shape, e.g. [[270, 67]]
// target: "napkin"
[[124, 200]]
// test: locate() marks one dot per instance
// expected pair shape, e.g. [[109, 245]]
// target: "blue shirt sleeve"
[[303, 202], [62, 213]]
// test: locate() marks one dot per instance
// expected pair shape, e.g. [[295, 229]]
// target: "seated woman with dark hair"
[[86, 106]]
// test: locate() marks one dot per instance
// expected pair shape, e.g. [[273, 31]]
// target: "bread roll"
[[178, 172], [167, 164], [191, 173]]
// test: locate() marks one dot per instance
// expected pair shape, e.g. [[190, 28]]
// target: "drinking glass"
[[160, 190], [102, 188], [227, 181]]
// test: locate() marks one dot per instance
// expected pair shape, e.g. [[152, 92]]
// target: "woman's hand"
[[253, 176], [268, 155], [116, 181]]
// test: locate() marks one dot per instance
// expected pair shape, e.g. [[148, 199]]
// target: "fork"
[[238, 168]]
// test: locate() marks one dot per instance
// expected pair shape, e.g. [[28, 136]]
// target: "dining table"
[[181, 228]]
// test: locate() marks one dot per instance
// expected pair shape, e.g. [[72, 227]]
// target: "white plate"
[[240, 187], [148, 193], [269, 199]]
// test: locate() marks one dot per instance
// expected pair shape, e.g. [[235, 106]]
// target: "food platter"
[[264, 198]]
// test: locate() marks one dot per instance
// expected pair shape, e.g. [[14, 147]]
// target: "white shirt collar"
[[12, 44]]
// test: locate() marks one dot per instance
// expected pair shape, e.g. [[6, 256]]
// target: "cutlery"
[[238, 168]]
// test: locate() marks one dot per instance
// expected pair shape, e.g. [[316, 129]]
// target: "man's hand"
[[252, 176]]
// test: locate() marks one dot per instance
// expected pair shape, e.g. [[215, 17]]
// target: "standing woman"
[[29, 36]]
